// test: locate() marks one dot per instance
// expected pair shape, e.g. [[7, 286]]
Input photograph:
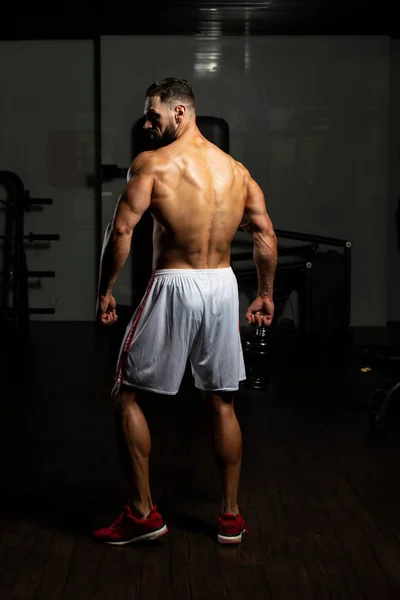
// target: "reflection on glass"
[[208, 44], [247, 44], [252, 9]]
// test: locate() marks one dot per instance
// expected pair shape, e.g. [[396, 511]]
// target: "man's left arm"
[[132, 204]]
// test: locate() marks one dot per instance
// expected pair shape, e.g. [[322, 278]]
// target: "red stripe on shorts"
[[132, 331]]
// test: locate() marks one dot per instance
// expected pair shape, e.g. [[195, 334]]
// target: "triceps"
[[245, 223]]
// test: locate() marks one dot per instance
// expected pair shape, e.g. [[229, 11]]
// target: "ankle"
[[231, 509], [140, 511]]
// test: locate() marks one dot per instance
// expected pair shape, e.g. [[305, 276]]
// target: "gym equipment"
[[255, 354], [214, 129], [303, 267], [386, 361], [15, 274], [110, 172]]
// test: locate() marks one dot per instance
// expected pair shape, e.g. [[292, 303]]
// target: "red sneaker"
[[231, 528], [127, 529]]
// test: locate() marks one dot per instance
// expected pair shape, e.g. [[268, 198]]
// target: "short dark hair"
[[172, 89]]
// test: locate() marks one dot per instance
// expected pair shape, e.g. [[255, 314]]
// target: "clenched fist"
[[261, 311]]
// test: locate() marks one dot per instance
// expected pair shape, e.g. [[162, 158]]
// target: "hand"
[[105, 309], [261, 312]]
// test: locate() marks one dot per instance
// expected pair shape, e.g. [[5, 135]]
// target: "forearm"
[[116, 248], [265, 258]]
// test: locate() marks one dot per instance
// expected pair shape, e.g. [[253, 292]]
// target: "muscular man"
[[198, 196]]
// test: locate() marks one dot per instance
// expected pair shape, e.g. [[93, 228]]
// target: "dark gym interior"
[[306, 94]]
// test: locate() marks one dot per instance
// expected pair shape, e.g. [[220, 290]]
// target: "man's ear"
[[180, 112]]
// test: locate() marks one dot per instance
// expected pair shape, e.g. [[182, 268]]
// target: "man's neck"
[[188, 129]]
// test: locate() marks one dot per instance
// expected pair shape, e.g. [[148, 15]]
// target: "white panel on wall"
[[47, 139], [308, 116]]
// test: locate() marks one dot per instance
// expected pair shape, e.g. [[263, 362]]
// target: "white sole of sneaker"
[[141, 538], [231, 539]]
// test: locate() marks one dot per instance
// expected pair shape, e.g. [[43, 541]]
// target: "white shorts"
[[185, 313]]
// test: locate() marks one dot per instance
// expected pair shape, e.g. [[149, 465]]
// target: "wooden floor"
[[320, 495]]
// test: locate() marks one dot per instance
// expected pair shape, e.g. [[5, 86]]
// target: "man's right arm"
[[257, 223]]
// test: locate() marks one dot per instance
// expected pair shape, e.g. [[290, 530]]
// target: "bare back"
[[198, 200]]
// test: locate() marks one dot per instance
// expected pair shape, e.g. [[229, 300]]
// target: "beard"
[[157, 140]]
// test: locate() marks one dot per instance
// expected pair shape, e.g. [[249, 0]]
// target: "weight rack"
[[15, 274]]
